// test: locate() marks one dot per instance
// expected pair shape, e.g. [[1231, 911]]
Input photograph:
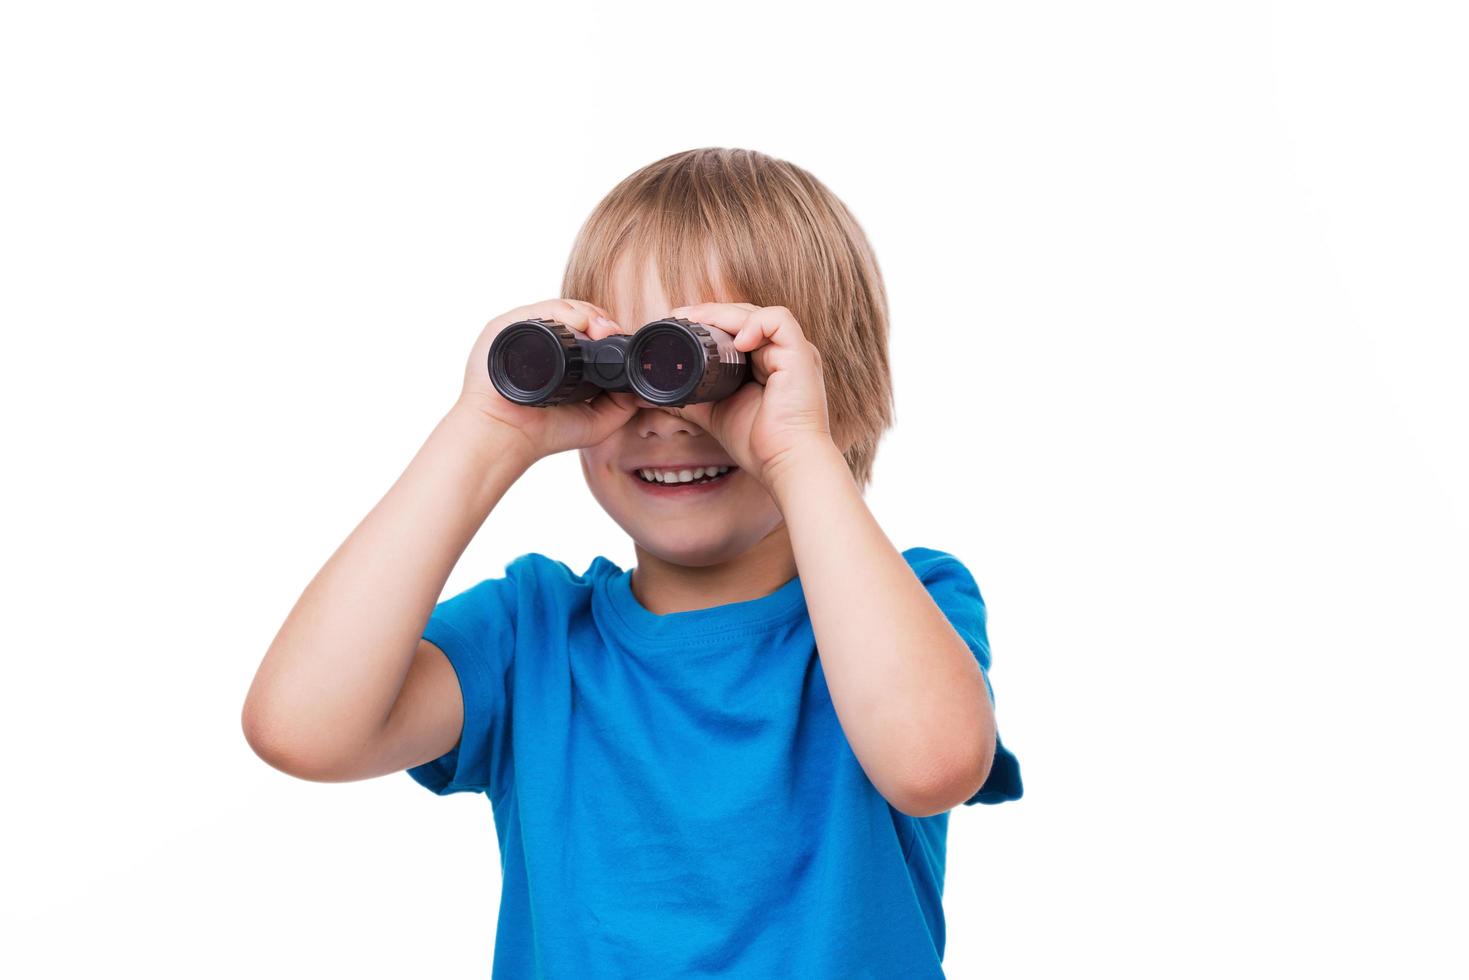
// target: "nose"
[[662, 422]]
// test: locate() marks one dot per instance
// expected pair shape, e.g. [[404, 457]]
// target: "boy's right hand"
[[553, 428]]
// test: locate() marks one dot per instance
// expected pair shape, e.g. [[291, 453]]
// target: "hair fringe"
[[736, 225]]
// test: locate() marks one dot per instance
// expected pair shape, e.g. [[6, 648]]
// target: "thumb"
[[607, 412], [699, 413]]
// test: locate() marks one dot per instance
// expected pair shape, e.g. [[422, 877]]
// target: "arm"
[[911, 698], [910, 695], [348, 690]]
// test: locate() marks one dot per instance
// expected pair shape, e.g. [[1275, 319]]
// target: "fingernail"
[[602, 321]]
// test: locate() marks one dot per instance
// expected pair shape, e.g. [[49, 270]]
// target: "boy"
[[735, 759]]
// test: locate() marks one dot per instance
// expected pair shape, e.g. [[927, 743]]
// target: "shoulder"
[[947, 579], [535, 570], [931, 564], [531, 583], [527, 572], [953, 589]]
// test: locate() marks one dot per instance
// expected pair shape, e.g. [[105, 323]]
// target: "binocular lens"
[[530, 360], [667, 362]]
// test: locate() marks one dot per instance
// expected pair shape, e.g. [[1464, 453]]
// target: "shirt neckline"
[[751, 615]]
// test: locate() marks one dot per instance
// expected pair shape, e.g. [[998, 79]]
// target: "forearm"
[[909, 694], [335, 668]]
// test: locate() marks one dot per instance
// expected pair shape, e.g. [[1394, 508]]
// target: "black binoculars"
[[675, 361]]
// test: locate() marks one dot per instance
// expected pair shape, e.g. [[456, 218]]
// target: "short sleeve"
[[955, 592], [476, 631]]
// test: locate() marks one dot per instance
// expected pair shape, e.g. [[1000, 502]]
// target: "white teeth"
[[681, 476]]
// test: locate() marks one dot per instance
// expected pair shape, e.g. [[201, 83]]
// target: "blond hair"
[[773, 235]]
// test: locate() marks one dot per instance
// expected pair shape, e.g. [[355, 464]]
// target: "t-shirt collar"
[[782, 606]]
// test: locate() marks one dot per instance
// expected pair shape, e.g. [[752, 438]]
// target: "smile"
[[682, 481]]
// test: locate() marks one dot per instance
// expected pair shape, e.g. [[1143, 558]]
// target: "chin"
[[711, 550], [713, 544], [713, 533]]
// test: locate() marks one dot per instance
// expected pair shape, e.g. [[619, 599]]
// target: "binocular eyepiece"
[[675, 361]]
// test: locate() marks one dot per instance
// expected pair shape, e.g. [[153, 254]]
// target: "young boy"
[[735, 759]]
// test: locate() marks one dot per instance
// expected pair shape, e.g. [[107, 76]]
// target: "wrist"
[[489, 436], [804, 467]]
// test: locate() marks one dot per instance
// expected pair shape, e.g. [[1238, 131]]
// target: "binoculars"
[[543, 362]]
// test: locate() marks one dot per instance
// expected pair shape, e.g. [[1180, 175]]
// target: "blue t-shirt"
[[674, 796]]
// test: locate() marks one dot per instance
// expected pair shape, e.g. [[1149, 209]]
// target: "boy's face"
[[680, 523]]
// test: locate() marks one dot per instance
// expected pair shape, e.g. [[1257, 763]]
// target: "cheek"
[[595, 458], [593, 468], [603, 474]]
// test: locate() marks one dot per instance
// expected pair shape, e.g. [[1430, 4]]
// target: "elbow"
[[275, 744], [941, 786], [266, 738]]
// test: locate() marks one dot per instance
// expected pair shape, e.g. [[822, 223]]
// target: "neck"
[[663, 587]]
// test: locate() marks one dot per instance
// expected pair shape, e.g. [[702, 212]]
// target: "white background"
[[1205, 453]]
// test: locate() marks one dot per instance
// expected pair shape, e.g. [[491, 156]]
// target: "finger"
[[614, 407], [771, 323], [773, 341], [625, 400], [603, 326], [728, 317], [579, 315], [754, 328], [599, 322], [604, 414], [573, 314], [698, 413]]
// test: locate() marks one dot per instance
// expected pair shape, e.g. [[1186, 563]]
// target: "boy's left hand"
[[766, 425]]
